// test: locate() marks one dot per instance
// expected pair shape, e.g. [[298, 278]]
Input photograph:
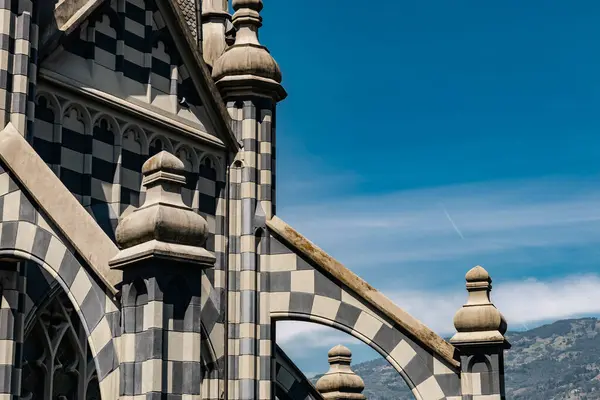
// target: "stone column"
[[163, 260], [19, 64], [340, 382], [12, 302], [480, 340], [249, 80]]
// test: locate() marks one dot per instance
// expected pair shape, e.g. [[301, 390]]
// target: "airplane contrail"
[[452, 222]]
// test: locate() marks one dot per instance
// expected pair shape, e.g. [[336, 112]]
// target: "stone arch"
[[84, 113], [301, 289], [481, 366], [114, 125], [142, 137], [72, 278], [52, 101], [217, 165], [46, 136], [134, 152], [154, 141], [189, 158], [55, 324], [105, 189], [190, 152], [431, 392], [75, 144]]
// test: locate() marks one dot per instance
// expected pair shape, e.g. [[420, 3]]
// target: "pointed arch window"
[[57, 361]]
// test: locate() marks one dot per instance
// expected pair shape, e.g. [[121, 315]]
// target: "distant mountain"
[[552, 362]]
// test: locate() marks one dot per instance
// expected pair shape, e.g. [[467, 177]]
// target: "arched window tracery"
[[57, 361]]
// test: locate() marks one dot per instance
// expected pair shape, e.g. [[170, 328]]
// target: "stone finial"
[[247, 64], [215, 23], [340, 382], [164, 226], [479, 321]]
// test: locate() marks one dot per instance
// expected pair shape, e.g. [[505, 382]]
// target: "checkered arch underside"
[[26, 234], [291, 384], [299, 291]]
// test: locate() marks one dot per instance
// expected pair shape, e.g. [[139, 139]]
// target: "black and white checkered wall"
[[18, 57], [26, 235], [300, 291]]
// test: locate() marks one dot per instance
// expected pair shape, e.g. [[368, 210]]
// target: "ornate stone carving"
[[57, 362]]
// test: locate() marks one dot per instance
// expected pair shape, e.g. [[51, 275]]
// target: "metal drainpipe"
[[226, 267]]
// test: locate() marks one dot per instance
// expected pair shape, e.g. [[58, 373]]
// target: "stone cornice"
[[142, 112]]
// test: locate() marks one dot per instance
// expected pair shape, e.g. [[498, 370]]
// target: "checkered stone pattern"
[[482, 376], [249, 322], [137, 31], [234, 265], [12, 304], [161, 76], [130, 37], [213, 349], [107, 38], [105, 186], [26, 234], [46, 135], [76, 153], [163, 329], [134, 153], [17, 51], [18, 44], [300, 291], [32, 72], [265, 161], [235, 112], [290, 382], [190, 162], [244, 271], [101, 163]]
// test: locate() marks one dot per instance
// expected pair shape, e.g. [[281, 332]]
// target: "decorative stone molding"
[[163, 227], [479, 321], [247, 65]]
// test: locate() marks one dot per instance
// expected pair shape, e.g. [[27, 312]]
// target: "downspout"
[[226, 267]]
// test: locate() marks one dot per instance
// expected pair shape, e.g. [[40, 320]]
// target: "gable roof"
[[371, 295], [69, 14]]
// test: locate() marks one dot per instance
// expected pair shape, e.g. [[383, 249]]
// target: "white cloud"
[[412, 226], [523, 303], [499, 221]]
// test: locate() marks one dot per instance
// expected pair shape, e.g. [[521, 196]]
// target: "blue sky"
[[410, 112]]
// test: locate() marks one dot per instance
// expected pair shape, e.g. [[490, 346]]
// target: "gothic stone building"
[[140, 252]]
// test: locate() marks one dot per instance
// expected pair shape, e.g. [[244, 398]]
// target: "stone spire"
[[479, 321], [247, 66], [163, 227], [340, 382], [215, 23]]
